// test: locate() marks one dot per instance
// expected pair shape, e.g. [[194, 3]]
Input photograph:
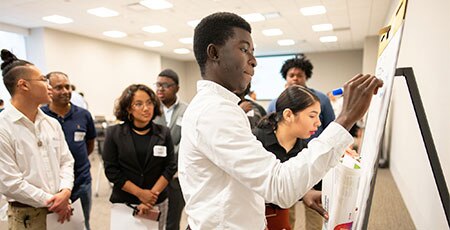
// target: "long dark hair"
[[296, 98], [124, 102]]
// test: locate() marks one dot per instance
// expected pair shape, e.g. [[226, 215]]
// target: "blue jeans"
[[85, 195]]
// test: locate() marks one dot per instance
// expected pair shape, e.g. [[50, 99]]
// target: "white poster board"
[[377, 114]]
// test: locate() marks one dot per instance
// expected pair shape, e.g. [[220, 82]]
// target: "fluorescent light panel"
[[156, 4], [153, 43], [254, 17], [193, 23], [115, 34], [189, 40], [272, 32], [286, 42], [313, 10], [154, 29], [326, 39], [181, 51], [103, 12], [322, 27], [58, 19]]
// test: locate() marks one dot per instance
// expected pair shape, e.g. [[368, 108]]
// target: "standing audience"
[[167, 86], [138, 154], [79, 132], [36, 167]]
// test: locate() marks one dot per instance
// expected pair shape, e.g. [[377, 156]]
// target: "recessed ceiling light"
[[272, 32], [115, 34], [102, 12], [322, 27], [57, 19], [313, 10], [325, 39], [255, 17], [153, 43], [272, 15], [181, 51], [154, 29], [156, 4], [188, 40], [193, 23], [286, 42]]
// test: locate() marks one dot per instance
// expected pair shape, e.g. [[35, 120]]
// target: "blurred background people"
[[167, 86]]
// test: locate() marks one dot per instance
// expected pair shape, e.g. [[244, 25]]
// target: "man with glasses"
[[166, 90], [79, 132], [36, 167]]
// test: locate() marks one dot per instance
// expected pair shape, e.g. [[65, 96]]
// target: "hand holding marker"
[[338, 91]]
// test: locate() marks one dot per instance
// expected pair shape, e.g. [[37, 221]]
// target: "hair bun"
[[7, 58]]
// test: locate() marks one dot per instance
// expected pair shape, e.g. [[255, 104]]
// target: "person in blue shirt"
[[79, 131], [297, 71]]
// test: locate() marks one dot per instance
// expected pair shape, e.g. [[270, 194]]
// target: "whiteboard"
[[376, 121]]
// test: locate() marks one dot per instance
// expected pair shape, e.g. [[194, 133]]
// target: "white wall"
[[425, 47], [102, 70], [333, 69]]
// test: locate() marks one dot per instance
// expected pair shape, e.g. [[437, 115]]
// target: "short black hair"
[[124, 102], [301, 63], [49, 75], [170, 74], [12, 69], [215, 29], [2, 102]]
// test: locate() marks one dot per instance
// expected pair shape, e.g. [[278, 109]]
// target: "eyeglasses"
[[163, 85], [44, 79], [140, 105]]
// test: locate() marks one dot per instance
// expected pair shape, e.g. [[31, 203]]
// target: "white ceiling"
[[352, 20]]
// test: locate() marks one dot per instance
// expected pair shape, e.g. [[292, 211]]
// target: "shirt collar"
[[172, 106], [222, 91], [16, 115]]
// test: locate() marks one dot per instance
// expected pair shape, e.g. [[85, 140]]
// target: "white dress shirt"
[[168, 111], [226, 174], [35, 161]]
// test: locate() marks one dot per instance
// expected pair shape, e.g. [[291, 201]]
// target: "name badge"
[[79, 136], [159, 151]]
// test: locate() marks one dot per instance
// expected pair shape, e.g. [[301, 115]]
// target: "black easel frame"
[[439, 178]]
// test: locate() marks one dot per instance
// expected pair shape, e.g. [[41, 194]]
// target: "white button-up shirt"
[[35, 161], [168, 111], [226, 174]]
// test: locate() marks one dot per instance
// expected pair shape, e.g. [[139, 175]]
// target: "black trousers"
[[176, 205]]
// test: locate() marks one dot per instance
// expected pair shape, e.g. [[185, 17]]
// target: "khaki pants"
[[304, 218], [27, 218]]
